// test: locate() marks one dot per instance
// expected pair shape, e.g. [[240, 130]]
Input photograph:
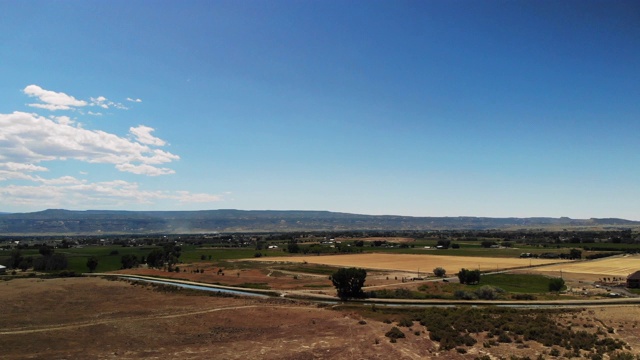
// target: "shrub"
[[464, 295], [487, 292], [394, 333], [523, 297], [504, 338]]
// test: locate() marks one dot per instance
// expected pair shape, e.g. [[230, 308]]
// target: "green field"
[[518, 283], [77, 257]]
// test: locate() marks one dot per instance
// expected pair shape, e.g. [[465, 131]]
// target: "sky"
[[418, 108]]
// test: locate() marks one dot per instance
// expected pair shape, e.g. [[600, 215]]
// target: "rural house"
[[3, 269], [633, 280]]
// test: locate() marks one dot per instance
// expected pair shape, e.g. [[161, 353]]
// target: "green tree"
[[487, 243], [51, 263], [155, 259], [24, 265], [469, 276], [293, 247], [129, 261], [15, 258], [439, 272], [349, 282], [556, 284], [575, 254], [45, 250], [92, 263]]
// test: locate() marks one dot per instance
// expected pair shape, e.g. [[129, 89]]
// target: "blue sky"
[[424, 108]]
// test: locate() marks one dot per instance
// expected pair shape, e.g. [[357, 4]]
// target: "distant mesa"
[[60, 221]]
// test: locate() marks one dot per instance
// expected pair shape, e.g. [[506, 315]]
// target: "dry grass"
[[594, 269], [411, 262]]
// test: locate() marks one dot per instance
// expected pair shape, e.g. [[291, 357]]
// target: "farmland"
[[595, 269], [120, 319], [413, 263]]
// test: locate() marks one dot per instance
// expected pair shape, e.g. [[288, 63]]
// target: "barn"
[[633, 280]]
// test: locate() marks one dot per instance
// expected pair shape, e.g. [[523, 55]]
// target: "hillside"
[[114, 222]]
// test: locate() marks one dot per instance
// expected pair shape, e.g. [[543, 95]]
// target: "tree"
[[575, 254], [293, 247], [24, 265], [556, 284], [155, 259], [45, 250], [487, 243], [129, 261], [349, 282], [92, 263], [469, 276], [439, 272], [15, 258], [51, 263]]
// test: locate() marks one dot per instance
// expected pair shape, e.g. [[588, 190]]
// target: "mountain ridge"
[[92, 222]]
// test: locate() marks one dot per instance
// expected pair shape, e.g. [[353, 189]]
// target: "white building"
[[3, 269]]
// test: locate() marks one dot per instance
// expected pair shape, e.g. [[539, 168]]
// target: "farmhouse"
[[3, 269], [633, 280]]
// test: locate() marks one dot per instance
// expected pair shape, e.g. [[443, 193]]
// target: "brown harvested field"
[[267, 278], [595, 269], [387, 239], [411, 262], [92, 318]]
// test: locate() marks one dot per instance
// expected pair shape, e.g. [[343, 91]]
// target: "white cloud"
[[105, 103], [52, 100], [63, 120], [144, 169], [143, 135], [12, 166], [28, 138]]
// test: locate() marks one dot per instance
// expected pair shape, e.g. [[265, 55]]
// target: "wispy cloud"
[[144, 169], [52, 100], [134, 100], [143, 135], [105, 103]]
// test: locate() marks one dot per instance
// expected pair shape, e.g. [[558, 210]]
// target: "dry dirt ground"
[[269, 277], [92, 318], [273, 279]]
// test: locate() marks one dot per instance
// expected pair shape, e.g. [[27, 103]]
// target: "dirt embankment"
[[92, 318], [80, 318]]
